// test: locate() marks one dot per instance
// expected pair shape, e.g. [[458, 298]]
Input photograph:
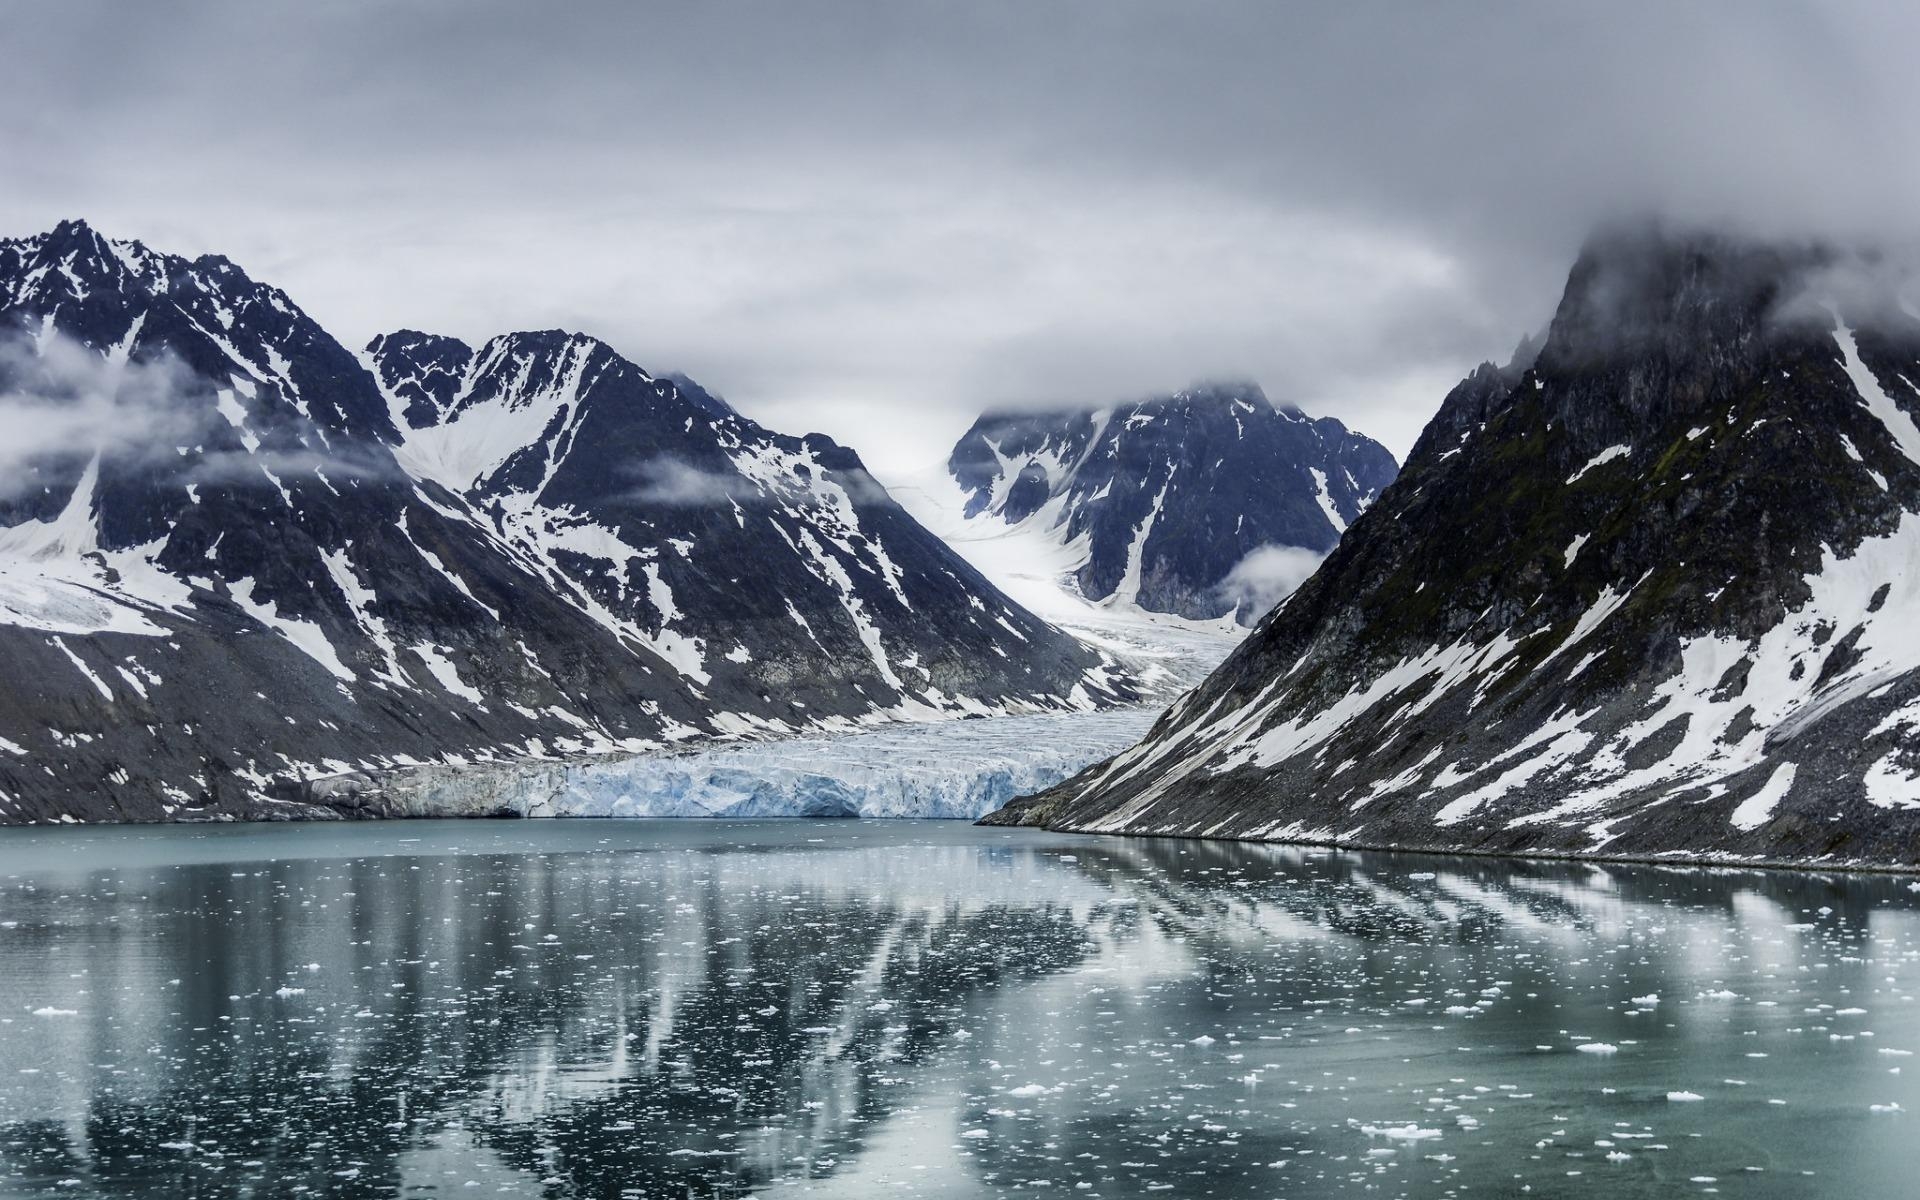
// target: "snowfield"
[[1029, 564]]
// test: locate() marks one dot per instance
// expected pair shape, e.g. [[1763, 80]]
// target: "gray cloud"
[[671, 483], [1268, 575], [875, 218], [335, 466], [62, 402], [1861, 288]]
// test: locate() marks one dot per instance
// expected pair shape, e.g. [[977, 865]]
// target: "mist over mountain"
[[1650, 594]]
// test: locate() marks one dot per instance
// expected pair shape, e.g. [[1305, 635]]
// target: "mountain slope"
[[1161, 500], [760, 564], [1653, 594], [227, 564]]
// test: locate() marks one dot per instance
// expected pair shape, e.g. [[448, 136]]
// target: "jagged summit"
[[712, 403], [1164, 498], [430, 375], [115, 297], [1652, 594]]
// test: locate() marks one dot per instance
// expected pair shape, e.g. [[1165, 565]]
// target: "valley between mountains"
[[1646, 590]]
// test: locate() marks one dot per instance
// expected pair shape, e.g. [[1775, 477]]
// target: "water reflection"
[[670, 1009]]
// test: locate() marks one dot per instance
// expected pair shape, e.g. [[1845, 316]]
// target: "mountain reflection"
[[722, 1009], [683, 1023]]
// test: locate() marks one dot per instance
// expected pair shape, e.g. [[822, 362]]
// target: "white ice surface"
[[941, 769]]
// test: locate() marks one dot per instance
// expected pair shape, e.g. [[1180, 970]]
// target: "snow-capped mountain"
[[1203, 503], [755, 562], [232, 561], [1653, 593]]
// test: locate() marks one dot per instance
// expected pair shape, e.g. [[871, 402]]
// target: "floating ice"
[[1408, 1132]]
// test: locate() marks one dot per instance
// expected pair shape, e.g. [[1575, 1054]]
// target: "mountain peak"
[[1524, 355], [74, 229], [712, 403], [413, 340], [1650, 288], [1169, 496], [547, 339]]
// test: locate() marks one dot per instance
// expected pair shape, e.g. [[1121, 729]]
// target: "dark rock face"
[[1653, 594], [232, 560], [1173, 493]]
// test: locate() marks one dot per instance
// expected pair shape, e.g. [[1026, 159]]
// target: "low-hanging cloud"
[[338, 465], [1874, 287], [61, 401], [672, 483], [1800, 284], [1266, 576]]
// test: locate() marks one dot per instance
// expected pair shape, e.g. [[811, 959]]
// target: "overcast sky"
[[875, 219]]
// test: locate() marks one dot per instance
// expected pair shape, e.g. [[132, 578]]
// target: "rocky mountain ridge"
[[235, 556], [1651, 595]]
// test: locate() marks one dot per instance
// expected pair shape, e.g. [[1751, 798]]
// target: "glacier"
[[954, 769]]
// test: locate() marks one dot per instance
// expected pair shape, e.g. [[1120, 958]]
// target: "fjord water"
[[852, 1009]]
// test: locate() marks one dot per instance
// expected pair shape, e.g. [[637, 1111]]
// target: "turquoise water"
[[854, 1009]]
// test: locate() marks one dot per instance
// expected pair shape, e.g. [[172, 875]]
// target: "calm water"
[[636, 1008]]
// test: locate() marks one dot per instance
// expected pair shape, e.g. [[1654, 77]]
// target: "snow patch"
[[1601, 459], [1756, 810]]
